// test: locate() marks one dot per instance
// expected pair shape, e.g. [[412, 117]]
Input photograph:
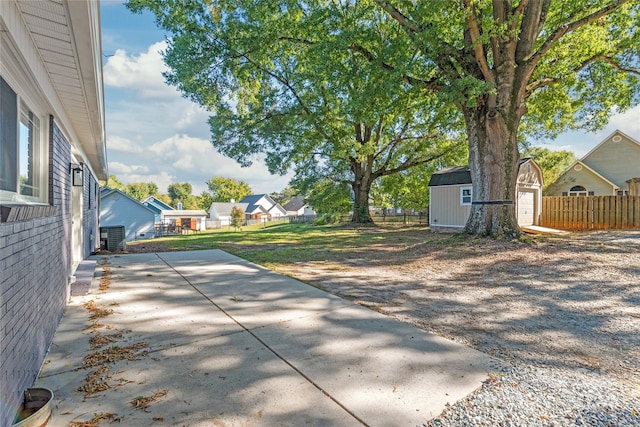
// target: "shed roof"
[[453, 175], [456, 175]]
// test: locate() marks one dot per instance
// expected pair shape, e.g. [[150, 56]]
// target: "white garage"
[[526, 207]]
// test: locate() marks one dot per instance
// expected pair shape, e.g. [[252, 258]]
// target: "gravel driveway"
[[563, 313]]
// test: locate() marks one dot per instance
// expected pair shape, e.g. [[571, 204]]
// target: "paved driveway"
[[203, 338]]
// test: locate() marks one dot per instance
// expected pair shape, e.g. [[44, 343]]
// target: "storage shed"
[[451, 195]]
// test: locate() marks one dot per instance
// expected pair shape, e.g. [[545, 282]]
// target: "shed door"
[[526, 207]]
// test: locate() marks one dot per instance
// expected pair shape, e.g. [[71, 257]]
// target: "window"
[[578, 190], [23, 170], [465, 196]]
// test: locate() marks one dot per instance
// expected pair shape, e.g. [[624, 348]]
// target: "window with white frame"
[[578, 190], [465, 196], [23, 151]]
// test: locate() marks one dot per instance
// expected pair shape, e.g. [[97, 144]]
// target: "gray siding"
[[34, 270], [585, 178], [445, 208], [616, 161], [117, 209]]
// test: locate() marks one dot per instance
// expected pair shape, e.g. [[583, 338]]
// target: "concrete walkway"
[[214, 340]]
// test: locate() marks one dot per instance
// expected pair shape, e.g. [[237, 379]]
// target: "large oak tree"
[[298, 81], [521, 65]]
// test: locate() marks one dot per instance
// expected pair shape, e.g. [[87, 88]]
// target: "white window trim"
[[15, 70], [463, 196], [41, 151]]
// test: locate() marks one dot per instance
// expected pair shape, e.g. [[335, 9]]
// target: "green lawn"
[[289, 243]]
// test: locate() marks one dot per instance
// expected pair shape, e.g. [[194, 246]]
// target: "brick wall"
[[34, 270]]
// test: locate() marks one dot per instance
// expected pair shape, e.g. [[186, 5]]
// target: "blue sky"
[[155, 135]]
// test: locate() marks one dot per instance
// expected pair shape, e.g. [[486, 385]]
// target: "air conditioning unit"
[[112, 238]]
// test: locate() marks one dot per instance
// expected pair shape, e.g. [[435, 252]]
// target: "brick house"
[[52, 154]]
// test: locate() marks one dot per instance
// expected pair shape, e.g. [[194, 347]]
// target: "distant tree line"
[[408, 190]]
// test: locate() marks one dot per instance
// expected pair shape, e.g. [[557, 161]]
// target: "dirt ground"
[[571, 302]]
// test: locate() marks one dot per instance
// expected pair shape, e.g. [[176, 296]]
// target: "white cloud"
[[627, 122], [141, 74], [156, 135], [122, 144], [121, 168]]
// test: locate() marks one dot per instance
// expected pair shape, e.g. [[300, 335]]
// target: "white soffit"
[[67, 36]]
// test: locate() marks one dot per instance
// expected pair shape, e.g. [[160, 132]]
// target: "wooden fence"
[[591, 212]]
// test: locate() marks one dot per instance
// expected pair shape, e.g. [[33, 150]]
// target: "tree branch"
[[403, 20], [570, 27], [478, 48], [413, 81], [614, 64]]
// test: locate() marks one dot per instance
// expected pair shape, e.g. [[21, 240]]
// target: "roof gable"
[[224, 209], [608, 141], [617, 158], [579, 167], [295, 204], [107, 193], [158, 204], [258, 202]]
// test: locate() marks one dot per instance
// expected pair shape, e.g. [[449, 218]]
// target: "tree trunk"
[[493, 161], [361, 186]]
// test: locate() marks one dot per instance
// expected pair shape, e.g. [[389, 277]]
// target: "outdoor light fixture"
[[77, 174]]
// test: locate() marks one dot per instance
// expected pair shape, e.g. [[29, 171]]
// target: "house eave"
[[65, 36]]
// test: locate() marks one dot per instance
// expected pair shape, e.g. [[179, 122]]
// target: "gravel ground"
[[535, 396], [562, 315]]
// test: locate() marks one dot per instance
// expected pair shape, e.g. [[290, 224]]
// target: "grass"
[[290, 243]]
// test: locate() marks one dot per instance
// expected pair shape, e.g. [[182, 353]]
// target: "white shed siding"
[[137, 220], [445, 209], [529, 194]]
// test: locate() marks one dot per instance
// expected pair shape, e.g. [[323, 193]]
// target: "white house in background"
[[119, 209], [298, 207], [263, 207], [52, 155], [451, 196], [184, 219], [222, 211], [612, 168]]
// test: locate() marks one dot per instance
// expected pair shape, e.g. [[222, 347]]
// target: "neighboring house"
[[263, 207], [298, 207], [157, 206], [612, 168], [52, 154], [222, 211], [184, 219], [119, 209], [451, 196]]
